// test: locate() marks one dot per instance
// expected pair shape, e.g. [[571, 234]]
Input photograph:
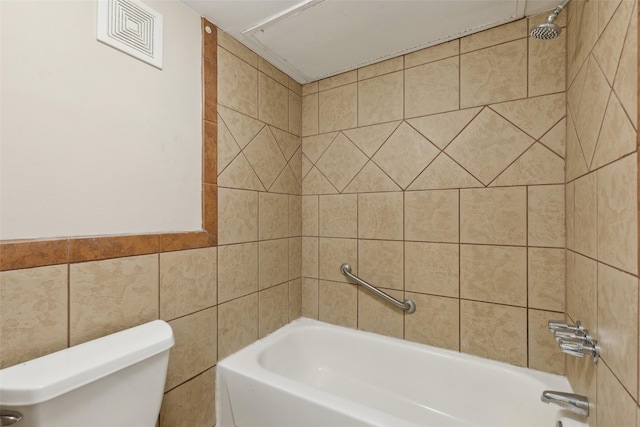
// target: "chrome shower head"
[[549, 30]]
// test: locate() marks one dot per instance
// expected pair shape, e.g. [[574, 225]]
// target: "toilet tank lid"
[[49, 376]]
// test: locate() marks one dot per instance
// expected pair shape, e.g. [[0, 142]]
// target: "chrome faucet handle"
[[554, 325], [579, 334], [579, 347]]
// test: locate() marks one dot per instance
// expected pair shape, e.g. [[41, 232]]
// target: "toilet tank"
[[113, 381]]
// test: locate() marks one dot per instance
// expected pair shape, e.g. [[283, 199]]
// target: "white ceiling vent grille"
[[132, 27]]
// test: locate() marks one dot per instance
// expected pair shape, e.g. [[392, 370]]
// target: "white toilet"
[[113, 381]]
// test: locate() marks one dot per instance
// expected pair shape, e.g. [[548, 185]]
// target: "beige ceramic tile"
[[493, 36], [338, 303], [405, 155], [432, 216], [273, 262], [338, 215], [546, 72], [237, 324], [381, 262], [295, 216], [295, 258], [546, 273], [34, 313], [586, 215], [494, 331], [188, 281], [378, 316], [295, 86], [380, 216], [615, 406], [112, 295], [192, 403], [494, 74], [581, 373], [440, 129], [273, 72], [316, 183], [295, 299], [295, 114], [536, 116], [495, 274], [543, 348], [575, 165], [370, 138], [618, 324], [546, 216], [488, 145], [273, 307], [538, 165], [444, 173], [581, 40], [337, 108], [609, 46], [310, 298], [335, 252], [626, 81], [310, 215], [273, 218], [237, 270], [273, 102], [380, 99], [341, 162], [310, 88], [435, 322], [265, 157], [227, 148], [569, 203], [237, 84], [432, 88], [310, 263], [556, 138], [338, 80], [380, 68], [582, 290], [314, 146], [310, 114], [617, 136], [239, 174], [618, 214], [432, 268], [237, 216], [196, 347], [493, 216], [371, 179], [433, 53], [238, 49], [242, 127]]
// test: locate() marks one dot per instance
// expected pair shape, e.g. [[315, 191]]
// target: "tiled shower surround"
[[439, 176]]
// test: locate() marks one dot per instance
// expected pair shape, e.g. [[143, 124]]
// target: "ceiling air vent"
[[131, 27]]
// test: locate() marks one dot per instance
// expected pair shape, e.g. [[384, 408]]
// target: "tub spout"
[[573, 402]]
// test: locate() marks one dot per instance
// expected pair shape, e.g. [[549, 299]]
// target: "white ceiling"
[[313, 39]]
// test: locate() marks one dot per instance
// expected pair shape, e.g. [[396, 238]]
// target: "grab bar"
[[408, 305]]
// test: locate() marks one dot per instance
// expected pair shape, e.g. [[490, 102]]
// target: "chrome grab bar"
[[408, 305]]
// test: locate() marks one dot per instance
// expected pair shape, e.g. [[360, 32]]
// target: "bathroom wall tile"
[[112, 295], [432, 88], [273, 102], [609, 45], [444, 173], [192, 403], [310, 215], [265, 157], [569, 204], [316, 183], [310, 114], [273, 256], [370, 138], [229, 43], [310, 264], [556, 138], [338, 215], [310, 88], [615, 406], [543, 348], [338, 303], [378, 316], [495, 274], [313, 147], [295, 86], [273, 308], [585, 33], [586, 215], [546, 73], [494, 331], [493, 216], [432, 216], [338, 80], [34, 313], [273, 217], [273, 72], [546, 278], [441, 128], [432, 268], [237, 270], [493, 36], [582, 290], [546, 216], [237, 324], [108, 247], [338, 108], [380, 216], [488, 145], [310, 295], [188, 281], [581, 373], [341, 162], [27, 254], [380, 68], [295, 299], [334, 253], [242, 127], [618, 324], [237, 216], [295, 114], [210, 151], [432, 54], [617, 135], [237, 84], [295, 258], [536, 116], [381, 262], [576, 165], [494, 74], [380, 99], [442, 315], [626, 81], [371, 179], [538, 165], [295, 216], [196, 347], [618, 214], [209, 89]]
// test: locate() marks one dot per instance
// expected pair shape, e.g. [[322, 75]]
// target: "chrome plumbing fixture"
[[573, 402], [575, 339], [549, 30]]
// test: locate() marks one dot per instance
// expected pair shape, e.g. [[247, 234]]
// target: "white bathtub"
[[310, 374]]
